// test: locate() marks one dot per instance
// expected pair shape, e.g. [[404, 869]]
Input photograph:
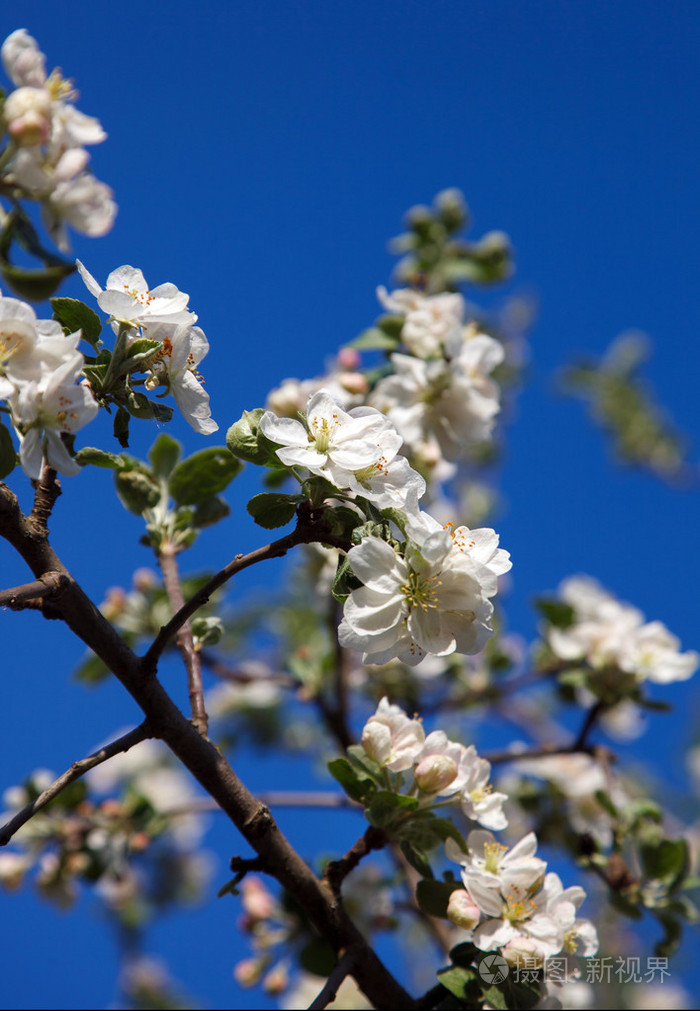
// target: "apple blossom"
[[128, 300], [175, 366], [391, 738], [430, 320]]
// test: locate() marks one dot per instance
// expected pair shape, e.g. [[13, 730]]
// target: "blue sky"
[[261, 156]]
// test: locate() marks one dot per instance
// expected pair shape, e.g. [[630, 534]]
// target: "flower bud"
[[27, 113], [248, 971], [376, 740], [522, 953], [435, 773], [13, 867], [353, 382], [258, 903], [276, 980], [462, 911]]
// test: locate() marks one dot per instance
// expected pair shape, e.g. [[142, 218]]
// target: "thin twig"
[[49, 585], [76, 770], [332, 985], [185, 641], [306, 532], [589, 722], [337, 870]]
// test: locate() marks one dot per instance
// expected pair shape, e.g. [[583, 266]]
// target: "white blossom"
[[431, 321], [127, 299], [175, 366], [391, 738]]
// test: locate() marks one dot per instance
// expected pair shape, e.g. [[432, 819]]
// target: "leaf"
[[90, 455], [667, 861], [318, 957], [374, 339], [210, 511], [203, 475], [139, 405], [557, 612], [8, 453], [361, 760], [121, 427], [35, 284], [91, 671], [461, 982], [345, 580], [164, 455], [360, 788], [272, 509], [511, 994], [432, 896], [140, 350], [246, 441], [386, 805], [444, 828], [137, 491], [416, 859], [207, 631], [74, 315]]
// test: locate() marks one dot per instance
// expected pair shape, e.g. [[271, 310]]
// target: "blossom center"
[[421, 591], [493, 852]]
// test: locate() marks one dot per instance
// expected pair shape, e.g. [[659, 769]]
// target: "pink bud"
[[462, 911], [435, 773]]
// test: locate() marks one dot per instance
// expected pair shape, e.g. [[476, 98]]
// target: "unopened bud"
[[348, 358], [522, 953], [276, 980], [353, 382], [462, 911], [249, 971], [27, 113], [258, 903], [435, 773], [13, 867]]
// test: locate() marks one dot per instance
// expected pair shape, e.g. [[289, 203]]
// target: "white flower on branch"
[[127, 299], [175, 366], [431, 321]]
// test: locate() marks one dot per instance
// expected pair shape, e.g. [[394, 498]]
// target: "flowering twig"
[[76, 770], [330, 990], [49, 585], [185, 643]]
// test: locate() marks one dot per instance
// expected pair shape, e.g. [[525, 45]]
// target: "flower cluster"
[[45, 158], [441, 396], [441, 768], [511, 903], [604, 631], [161, 315], [40, 370]]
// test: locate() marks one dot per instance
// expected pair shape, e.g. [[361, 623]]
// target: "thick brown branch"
[[47, 491], [31, 594], [185, 643], [76, 770], [202, 759]]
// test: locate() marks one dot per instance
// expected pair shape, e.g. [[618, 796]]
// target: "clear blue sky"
[[261, 155]]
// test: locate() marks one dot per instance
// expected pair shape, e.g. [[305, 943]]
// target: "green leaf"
[[462, 983], [361, 760], [444, 828], [164, 454], [386, 805], [8, 453], [345, 580], [557, 613], [74, 315], [272, 509], [374, 339], [359, 787], [90, 455], [35, 284], [121, 427], [667, 861], [137, 491], [161, 412], [207, 631], [203, 475], [606, 803], [139, 405], [210, 511], [318, 957], [246, 441], [396, 516], [95, 374], [92, 670], [432, 896], [511, 994], [416, 859]]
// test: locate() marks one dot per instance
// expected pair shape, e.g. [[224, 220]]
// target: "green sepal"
[[360, 787], [272, 509], [203, 475], [74, 315], [8, 453], [164, 455]]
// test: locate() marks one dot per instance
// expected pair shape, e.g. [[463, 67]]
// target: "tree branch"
[[76, 771], [185, 643], [330, 991], [49, 585], [307, 531], [47, 490], [201, 757], [337, 870]]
